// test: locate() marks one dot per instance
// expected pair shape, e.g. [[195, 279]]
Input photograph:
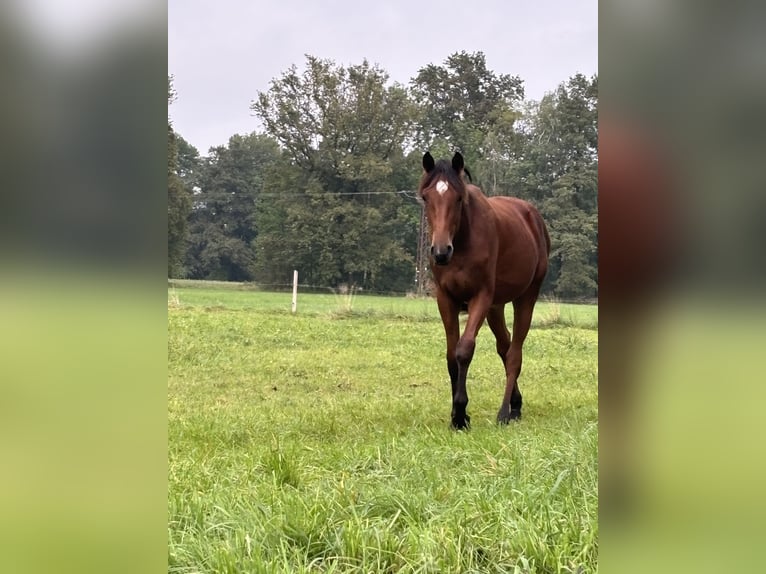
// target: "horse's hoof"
[[506, 416], [463, 423]]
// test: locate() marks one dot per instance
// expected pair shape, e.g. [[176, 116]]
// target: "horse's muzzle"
[[441, 255]]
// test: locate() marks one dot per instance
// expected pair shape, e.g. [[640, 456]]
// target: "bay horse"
[[485, 252]]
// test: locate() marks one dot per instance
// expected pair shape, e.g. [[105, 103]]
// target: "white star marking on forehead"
[[441, 186]]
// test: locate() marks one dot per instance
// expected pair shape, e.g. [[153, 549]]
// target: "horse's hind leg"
[[496, 322], [522, 319]]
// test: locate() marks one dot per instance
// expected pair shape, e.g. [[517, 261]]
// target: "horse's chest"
[[461, 283]]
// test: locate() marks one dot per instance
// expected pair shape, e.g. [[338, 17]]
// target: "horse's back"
[[523, 245], [514, 215]]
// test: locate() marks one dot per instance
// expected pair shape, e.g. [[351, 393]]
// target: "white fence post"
[[295, 290]]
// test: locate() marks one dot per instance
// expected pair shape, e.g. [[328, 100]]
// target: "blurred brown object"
[[638, 244], [638, 218]]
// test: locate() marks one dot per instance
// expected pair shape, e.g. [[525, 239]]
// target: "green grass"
[[320, 442], [240, 296]]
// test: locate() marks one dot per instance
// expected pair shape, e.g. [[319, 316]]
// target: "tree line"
[[328, 186]]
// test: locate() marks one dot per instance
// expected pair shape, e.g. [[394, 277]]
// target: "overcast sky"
[[223, 52]]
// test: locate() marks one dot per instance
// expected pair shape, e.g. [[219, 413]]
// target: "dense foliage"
[[328, 186], [179, 201]]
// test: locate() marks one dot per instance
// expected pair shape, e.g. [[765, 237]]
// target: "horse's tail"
[[542, 230], [545, 234], [546, 238]]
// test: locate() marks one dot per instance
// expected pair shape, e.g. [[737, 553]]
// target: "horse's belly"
[[518, 263], [506, 291], [515, 273]]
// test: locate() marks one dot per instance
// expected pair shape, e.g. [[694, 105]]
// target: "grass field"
[[320, 442]]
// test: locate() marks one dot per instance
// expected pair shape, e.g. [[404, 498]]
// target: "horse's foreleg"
[[477, 312], [449, 313]]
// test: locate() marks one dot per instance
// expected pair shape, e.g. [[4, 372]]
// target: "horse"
[[485, 252]]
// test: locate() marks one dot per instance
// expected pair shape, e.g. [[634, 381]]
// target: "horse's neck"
[[473, 213], [477, 202]]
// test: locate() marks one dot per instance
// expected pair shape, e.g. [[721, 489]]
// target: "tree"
[[556, 167], [223, 224], [466, 106], [189, 164], [328, 188], [336, 120], [179, 201], [344, 131]]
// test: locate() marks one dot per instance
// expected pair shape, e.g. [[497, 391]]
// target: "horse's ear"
[[428, 162], [457, 162]]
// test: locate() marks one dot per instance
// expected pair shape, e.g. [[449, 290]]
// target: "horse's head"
[[443, 192]]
